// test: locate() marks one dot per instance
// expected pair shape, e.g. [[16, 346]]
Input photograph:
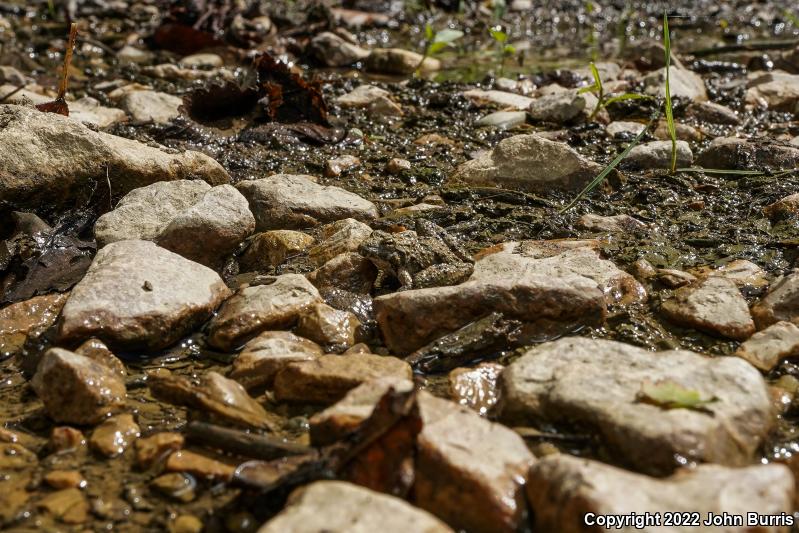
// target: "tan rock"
[[338, 165], [469, 472], [328, 327], [93, 389], [20, 320], [398, 61], [346, 415], [328, 379], [767, 348], [562, 490], [780, 304], [65, 438], [596, 385], [714, 306], [199, 465], [65, 479], [337, 238], [176, 485], [151, 449], [272, 248], [349, 271], [96, 350], [114, 435], [475, 388], [264, 356], [261, 307], [740, 271], [68, 505], [339, 507]]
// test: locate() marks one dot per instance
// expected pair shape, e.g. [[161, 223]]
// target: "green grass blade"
[[626, 96], [669, 111], [608, 169]]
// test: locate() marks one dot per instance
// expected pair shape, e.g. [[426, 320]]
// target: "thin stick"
[[62, 87]]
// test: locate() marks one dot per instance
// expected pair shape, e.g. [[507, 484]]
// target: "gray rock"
[[529, 163], [131, 54], [504, 99], [137, 295], [399, 61], [87, 110], [503, 120], [714, 306], [766, 349], [774, 90], [620, 127], [562, 489], [202, 61], [682, 84], [713, 113], [333, 51], [562, 106], [611, 224], [411, 319], [375, 100], [288, 201], [339, 507], [48, 157], [152, 106], [190, 218], [12, 76], [780, 304], [743, 273], [264, 356], [470, 472], [327, 379], [559, 258], [76, 389], [259, 308], [657, 154], [346, 415], [739, 154], [595, 384]]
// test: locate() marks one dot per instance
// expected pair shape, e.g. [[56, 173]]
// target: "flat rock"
[[48, 157], [469, 472], [783, 208], [191, 218], [337, 238], [258, 308], [713, 113], [375, 100], [201, 61], [504, 99], [766, 349], [657, 154], [272, 248], [562, 489], [339, 507], [595, 384], [152, 106], [327, 379], [28, 318], [620, 128], [411, 319], [559, 258], [714, 306], [114, 435], [611, 224], [94, 390], [158, 446], [399, 61], [137, 295], [502, 120], [346, 415], [729, 153], [563, 106], [213, 393], [341, 164], [264, 356], [529, 163], [780, 304], [86, 110], [289, 201], [682, 84], [333, 51], [199, 465], [745, 274]]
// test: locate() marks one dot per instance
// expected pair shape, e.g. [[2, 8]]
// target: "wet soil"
[[696, 219]]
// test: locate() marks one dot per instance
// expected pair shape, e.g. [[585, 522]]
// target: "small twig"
[[12, 93], [62, 87]]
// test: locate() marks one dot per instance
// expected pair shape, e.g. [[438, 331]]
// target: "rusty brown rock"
[[20, 320]]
